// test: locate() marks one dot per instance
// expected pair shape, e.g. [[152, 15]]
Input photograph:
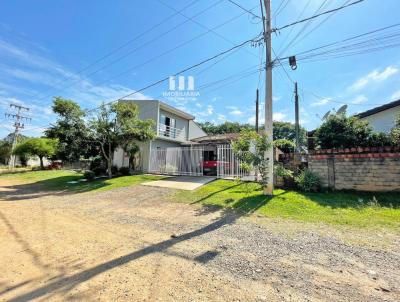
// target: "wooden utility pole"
[[257, 110], [296, 110], [268, 190], [18, 125]]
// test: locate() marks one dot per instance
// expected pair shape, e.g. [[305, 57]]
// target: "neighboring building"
[[174, 128], [382, 118]]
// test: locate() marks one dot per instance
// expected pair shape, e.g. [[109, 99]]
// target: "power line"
[[318, 15], [115, 50], [303, 28], [135, 49], [182, 71], [281, 8], [244, 9]]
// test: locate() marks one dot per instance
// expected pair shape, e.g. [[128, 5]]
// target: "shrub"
[[308, 181], [99, 170], [285, 145], [339, 131], [97, 162], [281, 171], [380, 139], [89, 175], [114, 170], [124, 171]]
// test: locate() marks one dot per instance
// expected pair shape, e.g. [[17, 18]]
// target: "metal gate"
[[229, 165], [177, 161]]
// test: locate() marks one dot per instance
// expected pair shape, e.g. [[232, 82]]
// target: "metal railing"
[[177, 161], [171, 132], [229, 166]]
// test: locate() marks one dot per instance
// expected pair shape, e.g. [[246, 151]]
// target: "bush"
[[124, 171], [281, 171], [308, 181], [97, 162], [339, 131], [285, 145], [114, 170], [99, 171], [89, 175]]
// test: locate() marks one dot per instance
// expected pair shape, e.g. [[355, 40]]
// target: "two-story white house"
[[174, 128]]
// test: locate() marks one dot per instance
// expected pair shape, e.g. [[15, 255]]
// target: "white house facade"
[[382, 118], [174, 128]]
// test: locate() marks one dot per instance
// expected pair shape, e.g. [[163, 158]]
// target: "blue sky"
[[52, 48]]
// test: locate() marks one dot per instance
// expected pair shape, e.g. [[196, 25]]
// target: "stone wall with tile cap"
[[359, 169]]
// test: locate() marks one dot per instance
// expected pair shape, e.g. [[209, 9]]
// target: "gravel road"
[[134, 244]]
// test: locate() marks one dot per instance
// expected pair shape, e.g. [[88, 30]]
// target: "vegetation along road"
[[117, 240]]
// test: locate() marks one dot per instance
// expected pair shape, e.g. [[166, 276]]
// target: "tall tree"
[[117, 124], [70, 130], [41, 147]]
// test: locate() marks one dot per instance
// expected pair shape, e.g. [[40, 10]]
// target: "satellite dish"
[[326, 115], [342, 110]]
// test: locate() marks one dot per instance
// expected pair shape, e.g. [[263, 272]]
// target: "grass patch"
[[360, 209], [58, 180]]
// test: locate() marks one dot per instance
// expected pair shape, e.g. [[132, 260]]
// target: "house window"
[[168, 126]]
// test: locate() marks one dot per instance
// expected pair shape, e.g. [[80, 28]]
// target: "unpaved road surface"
[[132, 244]]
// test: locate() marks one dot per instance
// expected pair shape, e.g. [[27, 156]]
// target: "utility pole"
[[268, 190], [18, 125], [257, 110], [296, 109]]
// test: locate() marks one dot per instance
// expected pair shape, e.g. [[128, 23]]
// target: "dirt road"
[[132, 244]]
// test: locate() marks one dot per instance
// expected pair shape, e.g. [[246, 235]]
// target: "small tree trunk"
[[41, 162], [109, 161]]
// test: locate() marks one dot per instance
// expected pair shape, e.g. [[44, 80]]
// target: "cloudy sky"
[[95, 51]]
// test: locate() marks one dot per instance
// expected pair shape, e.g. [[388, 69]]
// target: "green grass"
[[359, 209], [58, 180]]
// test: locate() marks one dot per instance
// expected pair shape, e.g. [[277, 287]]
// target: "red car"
[[210, 166]]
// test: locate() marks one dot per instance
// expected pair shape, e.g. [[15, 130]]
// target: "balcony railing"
[[171, 132]]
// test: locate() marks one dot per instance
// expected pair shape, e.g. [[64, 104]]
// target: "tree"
[[395, 132], [41, 147], [285, 145], [117, 124], [250, 148], [287, 130], [70, 130], [226, 127], [5, 151], [281, 130]]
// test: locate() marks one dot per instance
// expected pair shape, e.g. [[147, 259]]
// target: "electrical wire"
[[244, 9], [318, 15]]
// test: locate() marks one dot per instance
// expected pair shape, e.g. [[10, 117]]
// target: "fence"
[[177, 161], [229, 166]]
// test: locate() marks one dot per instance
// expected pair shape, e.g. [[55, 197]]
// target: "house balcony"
[[165, 131]]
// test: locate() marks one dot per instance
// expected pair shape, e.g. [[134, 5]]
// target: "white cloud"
[[278, 116], [374, 76], [359, 99], [321, 102], [276, 98], [234, 110], [395, 96], [221, 118], [209, 110]]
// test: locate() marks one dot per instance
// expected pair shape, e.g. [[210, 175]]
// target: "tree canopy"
[[281, 130], [340, 131], [70, 130], [41, 147], [116, 124]]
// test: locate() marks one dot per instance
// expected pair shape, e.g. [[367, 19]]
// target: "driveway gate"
[[177, 161], [229, 165]]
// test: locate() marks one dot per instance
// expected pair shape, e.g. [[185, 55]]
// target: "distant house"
[[382, 118], [174, 128]]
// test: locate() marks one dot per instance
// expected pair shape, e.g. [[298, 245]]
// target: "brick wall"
[[358, 169]]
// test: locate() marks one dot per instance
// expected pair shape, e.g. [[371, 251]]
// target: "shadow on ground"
[[57, 186], [64, 284]]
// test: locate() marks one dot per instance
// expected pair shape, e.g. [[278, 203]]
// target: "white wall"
[[195, 131], [383, 121]]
